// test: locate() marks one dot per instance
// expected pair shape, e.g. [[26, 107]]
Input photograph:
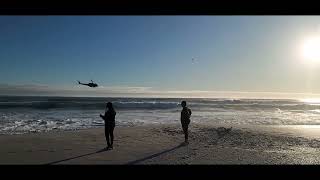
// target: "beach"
[[248, 86], [161, 144]]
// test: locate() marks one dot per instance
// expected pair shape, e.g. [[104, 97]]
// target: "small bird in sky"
[[194, 61]]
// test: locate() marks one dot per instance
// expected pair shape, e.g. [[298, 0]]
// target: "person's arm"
[[103, 116], [190, 111]]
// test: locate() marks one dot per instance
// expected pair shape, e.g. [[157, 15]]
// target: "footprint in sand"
[[185, 157]]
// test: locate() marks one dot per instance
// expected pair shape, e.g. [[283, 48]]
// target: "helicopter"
[[92, 84]]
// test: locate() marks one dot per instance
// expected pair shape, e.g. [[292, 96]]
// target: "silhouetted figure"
[[185, 120], [109, 122], [92, 84]]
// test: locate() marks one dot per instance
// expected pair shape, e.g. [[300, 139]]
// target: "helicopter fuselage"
[[89, 84]]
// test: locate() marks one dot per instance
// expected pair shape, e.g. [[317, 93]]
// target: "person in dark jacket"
[[109, 122], [185, 120]]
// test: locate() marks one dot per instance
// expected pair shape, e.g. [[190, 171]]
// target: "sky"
[[159, 56]]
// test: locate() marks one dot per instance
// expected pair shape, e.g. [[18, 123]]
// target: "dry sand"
[[161, 144]]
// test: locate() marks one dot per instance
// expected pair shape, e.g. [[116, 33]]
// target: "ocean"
[[20, 114]]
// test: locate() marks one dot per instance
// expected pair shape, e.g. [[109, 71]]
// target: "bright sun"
[[311, 100], [311, 49]]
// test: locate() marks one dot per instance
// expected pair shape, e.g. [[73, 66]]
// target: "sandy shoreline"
[[161, 144]]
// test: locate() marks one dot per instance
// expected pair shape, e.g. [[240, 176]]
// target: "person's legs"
[[106, 133], [185, 131], [111, 135]]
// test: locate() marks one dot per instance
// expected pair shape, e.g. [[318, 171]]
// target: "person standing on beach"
[[109, 124], [185, 120]]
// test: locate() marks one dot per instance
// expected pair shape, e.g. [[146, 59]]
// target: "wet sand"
[[161, 144]]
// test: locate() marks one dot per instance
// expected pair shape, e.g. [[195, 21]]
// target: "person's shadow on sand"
[[155, 155], [99, 151]]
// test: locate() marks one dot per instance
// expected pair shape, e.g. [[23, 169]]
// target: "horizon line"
[[155, 97]]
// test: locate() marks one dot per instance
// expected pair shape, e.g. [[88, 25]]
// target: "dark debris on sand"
[[228, 137]]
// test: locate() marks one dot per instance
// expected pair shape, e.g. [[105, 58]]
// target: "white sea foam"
[[74, 113]]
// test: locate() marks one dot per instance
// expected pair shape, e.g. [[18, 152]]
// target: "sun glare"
[[311, 49], [311, 100]]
